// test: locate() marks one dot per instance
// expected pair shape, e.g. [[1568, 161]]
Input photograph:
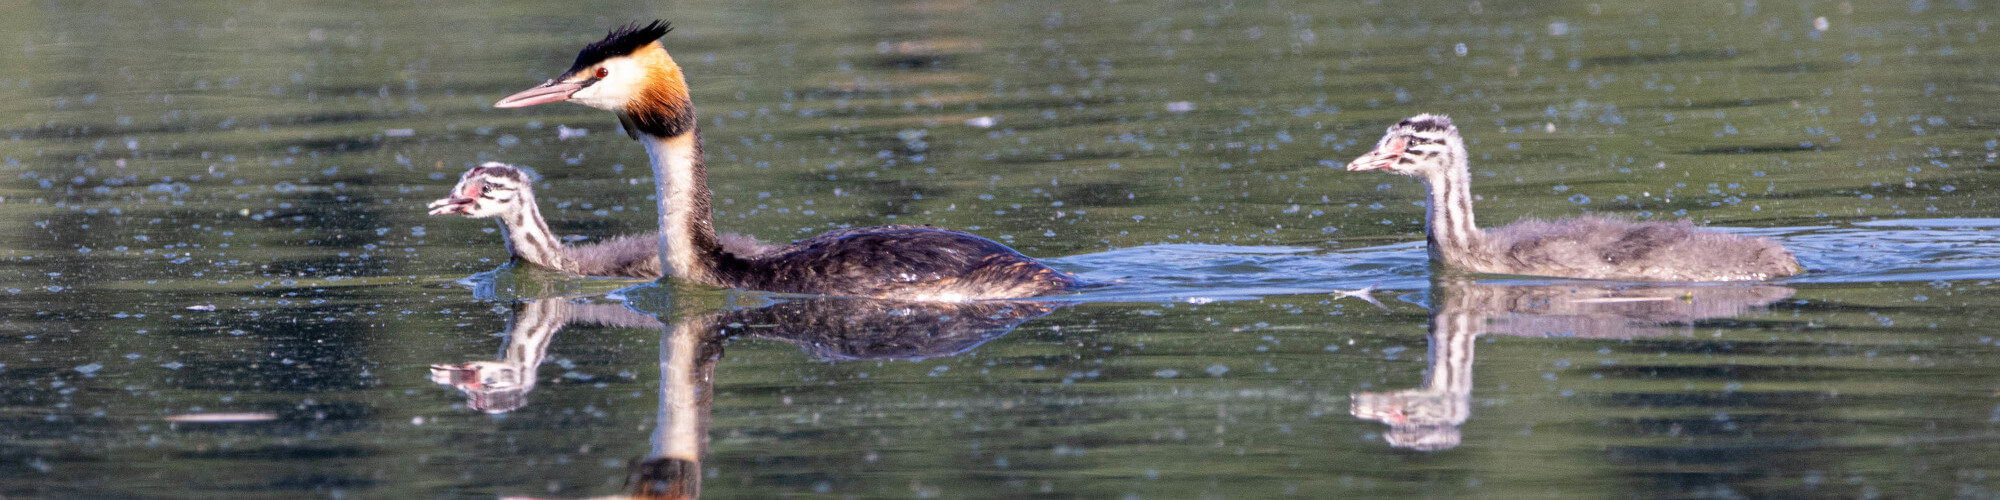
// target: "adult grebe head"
[[628, 73]]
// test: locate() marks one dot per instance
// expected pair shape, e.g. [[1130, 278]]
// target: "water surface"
[[220, 281]]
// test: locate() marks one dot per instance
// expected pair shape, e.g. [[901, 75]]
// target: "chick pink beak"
[[1382, 157], [552, 91], [451, 205], [459, 202]]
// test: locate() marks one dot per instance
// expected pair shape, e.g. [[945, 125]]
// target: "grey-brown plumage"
[[1429, 148], [896, 262], [901, 262], [630, 74]]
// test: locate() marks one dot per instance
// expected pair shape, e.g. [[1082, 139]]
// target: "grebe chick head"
[[629, 73], [488, 190], [1420, 146]]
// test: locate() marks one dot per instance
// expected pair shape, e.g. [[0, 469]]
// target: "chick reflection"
[[828, 328], [502, 386], [1427, 418]]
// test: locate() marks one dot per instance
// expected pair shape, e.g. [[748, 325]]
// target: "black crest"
[[621, 41], [1426, 123]]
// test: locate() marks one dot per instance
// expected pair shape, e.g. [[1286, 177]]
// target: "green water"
[[215, 211]]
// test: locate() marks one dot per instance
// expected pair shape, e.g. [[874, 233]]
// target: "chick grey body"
[[1429, 148]]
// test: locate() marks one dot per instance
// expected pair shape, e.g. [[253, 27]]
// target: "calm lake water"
[[219, 280]]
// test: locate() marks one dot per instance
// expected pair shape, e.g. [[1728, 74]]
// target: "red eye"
[[601, 72]]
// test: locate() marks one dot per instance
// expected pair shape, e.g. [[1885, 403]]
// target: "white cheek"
[[616, 89], [597, 96]]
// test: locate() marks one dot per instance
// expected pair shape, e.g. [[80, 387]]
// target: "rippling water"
[[219, 280]]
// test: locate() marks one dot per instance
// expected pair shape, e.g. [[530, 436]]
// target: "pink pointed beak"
[[1382, 157], [451, 205], [459, 202], [552, 91]]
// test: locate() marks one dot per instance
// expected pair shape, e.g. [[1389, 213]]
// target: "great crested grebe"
[[629, 73], [1429, 148]]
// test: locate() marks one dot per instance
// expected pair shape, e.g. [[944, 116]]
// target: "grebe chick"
[[1429, 148], [629, 73], [507, 193]]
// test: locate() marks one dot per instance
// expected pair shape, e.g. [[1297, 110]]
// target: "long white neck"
[[529, 239], [684, 392], [687, 386], [1448, 217], [688, 246]]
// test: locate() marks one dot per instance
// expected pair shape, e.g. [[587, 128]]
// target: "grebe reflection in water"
[[1428, 417], [834, 329]]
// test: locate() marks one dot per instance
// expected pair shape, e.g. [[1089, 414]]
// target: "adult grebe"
[[1428, 147], [630, 73]]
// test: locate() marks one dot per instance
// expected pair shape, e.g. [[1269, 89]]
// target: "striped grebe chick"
[[506, 192], [629, 73], [1429, 148]]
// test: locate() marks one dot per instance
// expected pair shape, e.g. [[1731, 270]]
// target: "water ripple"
[[1874, 251], [1200, 272]]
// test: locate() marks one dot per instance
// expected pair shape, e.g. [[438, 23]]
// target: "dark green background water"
[[218, 207]]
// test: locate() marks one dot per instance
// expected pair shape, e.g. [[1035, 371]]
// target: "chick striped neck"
[[1454, 336], [535, 323], [529, 239], [1448, 225]]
